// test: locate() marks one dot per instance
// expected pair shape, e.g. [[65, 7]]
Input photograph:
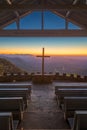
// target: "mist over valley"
[[61, 64]]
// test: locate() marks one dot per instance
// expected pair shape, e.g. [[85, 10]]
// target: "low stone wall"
[[70, 77], [38, 78], [11, 77]]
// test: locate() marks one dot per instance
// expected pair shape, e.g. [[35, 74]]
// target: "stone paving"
[[43, 112]]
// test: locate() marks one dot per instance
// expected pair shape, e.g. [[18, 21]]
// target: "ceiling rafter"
[[68, 12], [69, 19], [15, 18], [9, 2], [15, 15]]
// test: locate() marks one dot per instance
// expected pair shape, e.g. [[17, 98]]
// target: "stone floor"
[[43, 112]]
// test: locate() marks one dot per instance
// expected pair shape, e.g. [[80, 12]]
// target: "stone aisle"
[[42, 111]]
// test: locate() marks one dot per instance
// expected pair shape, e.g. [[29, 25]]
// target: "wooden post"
[[43, 62]]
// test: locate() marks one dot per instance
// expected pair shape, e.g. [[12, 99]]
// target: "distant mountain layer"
[[61, 64], [7, 67]]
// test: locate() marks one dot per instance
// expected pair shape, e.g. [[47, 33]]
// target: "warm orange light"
[[48, 51]]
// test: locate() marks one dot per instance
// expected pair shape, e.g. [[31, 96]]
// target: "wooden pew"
[[15, 92], [24, 85], [65, 92], [60, 84], [80, 120], [71, 104], [6, 121], [70, 85], [14, 105], [17, 85]]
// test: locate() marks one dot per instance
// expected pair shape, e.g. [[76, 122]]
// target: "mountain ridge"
[[7, 67]]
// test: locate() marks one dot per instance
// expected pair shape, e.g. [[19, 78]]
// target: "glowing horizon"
[[52, 51]]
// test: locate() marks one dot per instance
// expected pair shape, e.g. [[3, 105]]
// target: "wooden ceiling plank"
[[46, 6]]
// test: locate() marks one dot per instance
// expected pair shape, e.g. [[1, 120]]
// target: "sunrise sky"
[[53, 46], [33, 45]]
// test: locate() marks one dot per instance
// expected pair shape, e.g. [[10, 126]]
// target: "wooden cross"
[[43, 56]]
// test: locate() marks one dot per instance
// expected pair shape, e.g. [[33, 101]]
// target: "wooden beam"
[[14, 19], [69, 19], [43, 33], [40, 6]]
